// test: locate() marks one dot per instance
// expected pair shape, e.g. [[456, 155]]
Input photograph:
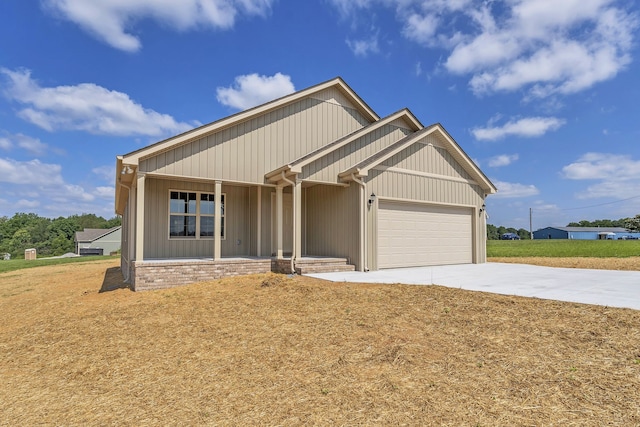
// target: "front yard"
[[274, 350]]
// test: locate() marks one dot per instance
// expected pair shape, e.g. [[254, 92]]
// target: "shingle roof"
[[91, 234]]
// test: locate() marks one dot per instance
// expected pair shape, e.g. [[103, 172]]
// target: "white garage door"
[[411, 235]]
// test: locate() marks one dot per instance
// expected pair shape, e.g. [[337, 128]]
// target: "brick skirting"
[[167, 274]]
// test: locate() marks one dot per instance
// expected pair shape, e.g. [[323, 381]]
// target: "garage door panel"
[[416, 234]]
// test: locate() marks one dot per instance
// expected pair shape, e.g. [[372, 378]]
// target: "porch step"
[[322, 265]]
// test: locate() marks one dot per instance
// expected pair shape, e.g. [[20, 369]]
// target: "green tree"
[[492, 232], [633, 224]]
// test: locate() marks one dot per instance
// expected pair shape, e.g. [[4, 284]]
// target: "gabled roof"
[[362, 169], [297, 165], [93, 234], [127, 164], [134, 157]]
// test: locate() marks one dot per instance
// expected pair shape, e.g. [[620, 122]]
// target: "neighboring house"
[[311, 181], [583, 233], [98, 241]]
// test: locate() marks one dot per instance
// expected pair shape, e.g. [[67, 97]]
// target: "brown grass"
[[630, 263], [274, 350]]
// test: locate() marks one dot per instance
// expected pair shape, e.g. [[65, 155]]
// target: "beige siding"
[[334, 213], [424, 173], [247, 151], [423, 157], [237, 222], [327, 168], [413, 187]]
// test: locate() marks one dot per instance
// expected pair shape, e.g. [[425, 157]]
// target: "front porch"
[[156, 274]]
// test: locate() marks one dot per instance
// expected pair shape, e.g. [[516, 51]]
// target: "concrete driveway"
[[602, 287]]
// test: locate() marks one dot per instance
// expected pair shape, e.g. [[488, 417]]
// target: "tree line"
[[50, 237], [631, 224]]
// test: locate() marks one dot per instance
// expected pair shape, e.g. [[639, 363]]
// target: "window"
[[191, 215]]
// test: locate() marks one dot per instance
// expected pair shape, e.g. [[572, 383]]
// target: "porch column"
[[259, 224], [279, 221], [217, 221], [140, 217], [297, 219]]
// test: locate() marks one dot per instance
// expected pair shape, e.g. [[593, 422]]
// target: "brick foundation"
[[152, 275]]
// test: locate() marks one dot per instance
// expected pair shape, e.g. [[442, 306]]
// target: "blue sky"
[[542, 94]]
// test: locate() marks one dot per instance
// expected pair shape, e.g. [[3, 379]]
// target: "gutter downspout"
[[363, 222], [126, 260], [293, 243]]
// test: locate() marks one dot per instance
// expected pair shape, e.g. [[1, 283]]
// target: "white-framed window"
[[192, 213]]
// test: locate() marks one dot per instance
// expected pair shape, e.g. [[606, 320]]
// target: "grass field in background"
[[563, 248], [19, 264]]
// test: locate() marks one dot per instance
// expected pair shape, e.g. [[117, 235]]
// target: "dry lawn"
[[274, 350]]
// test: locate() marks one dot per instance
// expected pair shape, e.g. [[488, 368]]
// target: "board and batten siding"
[[247, 151], [156, 230], [424, 174], [327, 168], [334, 213], [427, 156]]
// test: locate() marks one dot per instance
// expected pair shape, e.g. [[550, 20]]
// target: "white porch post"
[[279, 221], [140, 217], [217, 221], [297, 219]]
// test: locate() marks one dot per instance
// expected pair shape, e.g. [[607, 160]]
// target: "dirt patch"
[[631, 263], [274, 350]]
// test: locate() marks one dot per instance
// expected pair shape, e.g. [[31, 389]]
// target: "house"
[[98, 241], [313, 181], [584, 233]]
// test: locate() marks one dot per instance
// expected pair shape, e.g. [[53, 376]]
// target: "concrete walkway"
[[602, 287]]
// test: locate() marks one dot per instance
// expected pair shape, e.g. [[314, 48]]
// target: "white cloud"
[[86, 107], [112, 21], [106, 172], [541, 47], [525, 127], [5, 143], [617, 175], [32, 145], [421, 28], [252, 89], [105, 192], [511, 190], [26, 204], [502, 160], [364, 47], [32, 172]]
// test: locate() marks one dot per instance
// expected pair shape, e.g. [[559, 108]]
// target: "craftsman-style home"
[[313, 181]]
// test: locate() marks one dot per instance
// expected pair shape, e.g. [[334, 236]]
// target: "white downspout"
[[363, 222], [293, 201]]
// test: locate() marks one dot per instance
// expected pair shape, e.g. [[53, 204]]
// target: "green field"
[[19, 264], [563, 248]]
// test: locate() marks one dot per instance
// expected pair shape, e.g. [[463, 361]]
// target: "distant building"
[[584, 233], [98, 241]]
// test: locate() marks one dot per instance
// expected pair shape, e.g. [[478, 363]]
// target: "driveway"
[[602, 287]]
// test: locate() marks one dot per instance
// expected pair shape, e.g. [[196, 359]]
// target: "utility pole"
[[531, 223]]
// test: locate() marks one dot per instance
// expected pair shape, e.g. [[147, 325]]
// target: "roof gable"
[[337, 83], [296, 166], [362, 168]]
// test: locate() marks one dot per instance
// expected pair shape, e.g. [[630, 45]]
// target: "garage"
[[412, 234]]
